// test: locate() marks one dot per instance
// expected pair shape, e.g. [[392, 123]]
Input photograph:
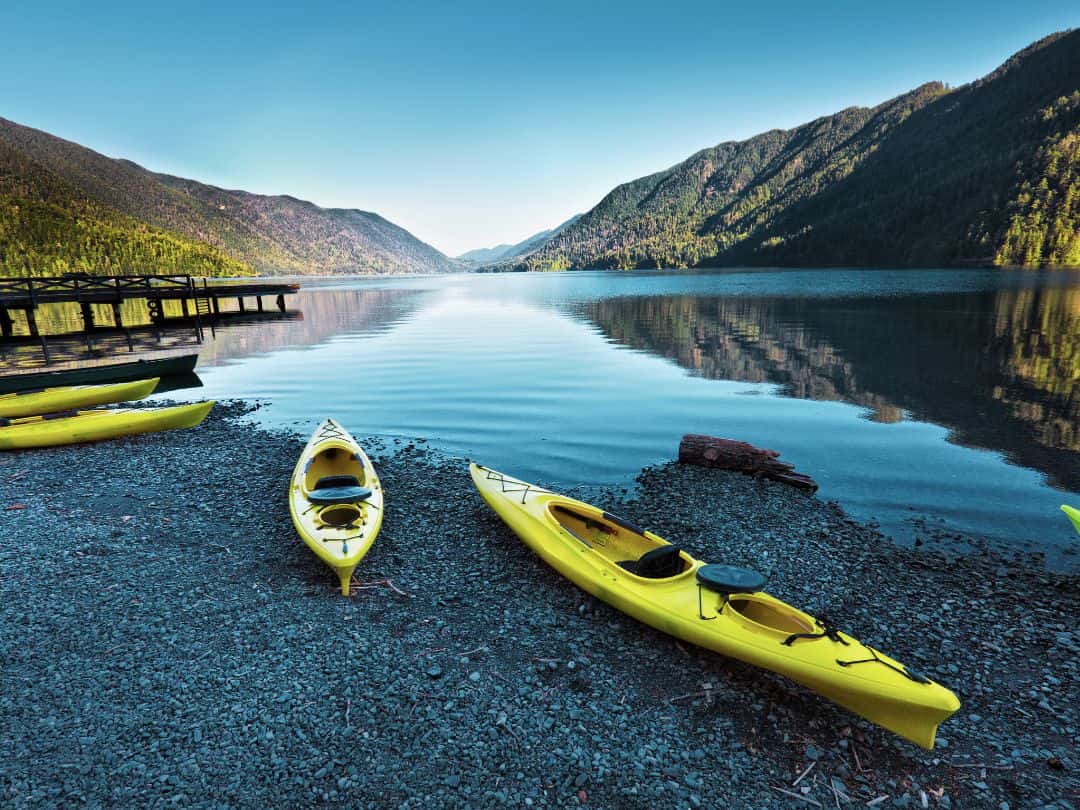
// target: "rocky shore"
[[167, 641]]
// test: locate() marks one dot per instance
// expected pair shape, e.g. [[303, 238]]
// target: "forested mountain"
[[986, 173], [522, 248], [65, 206], [48, 227]]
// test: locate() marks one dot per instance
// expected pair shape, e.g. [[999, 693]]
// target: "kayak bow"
[[1073, 515]]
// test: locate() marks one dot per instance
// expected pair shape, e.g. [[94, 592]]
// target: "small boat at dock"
[[98, 374]]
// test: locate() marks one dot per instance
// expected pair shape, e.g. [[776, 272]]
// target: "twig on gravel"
[[802, 775], [795, 795], [858, 765], [836, 794], [348, 708], [690, 696], [481, 649], [545, 660], [376, 583], [877, 801], [979, 765]]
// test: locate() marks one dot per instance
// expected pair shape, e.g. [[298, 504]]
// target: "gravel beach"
[[168, 641]]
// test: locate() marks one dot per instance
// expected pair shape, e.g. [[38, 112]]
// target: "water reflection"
[[328, 313], [999, 368]]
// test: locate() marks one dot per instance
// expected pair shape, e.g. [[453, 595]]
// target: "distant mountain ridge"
[[501, 253], [235, 231], [987, 173], [491, 254]]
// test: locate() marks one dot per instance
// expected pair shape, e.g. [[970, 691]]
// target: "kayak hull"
[[73, 397], [751, 627], [339, 533], [99, 425]]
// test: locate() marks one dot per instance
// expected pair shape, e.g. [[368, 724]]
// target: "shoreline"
[[169, 639]]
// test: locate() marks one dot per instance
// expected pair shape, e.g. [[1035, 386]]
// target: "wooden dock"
[[200, 299]]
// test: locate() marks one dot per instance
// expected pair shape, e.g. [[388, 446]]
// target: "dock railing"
[[26, 294]]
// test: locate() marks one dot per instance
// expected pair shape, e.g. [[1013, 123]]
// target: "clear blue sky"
[[471, 123]]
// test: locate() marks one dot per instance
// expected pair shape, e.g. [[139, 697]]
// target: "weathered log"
[[728, 454]]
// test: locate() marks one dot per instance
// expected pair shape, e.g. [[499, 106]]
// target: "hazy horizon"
[[473, 126]]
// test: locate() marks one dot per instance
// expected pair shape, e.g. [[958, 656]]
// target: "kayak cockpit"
[[770, 614], [340, 515], [740, 596], [621, 543], [334, 466]]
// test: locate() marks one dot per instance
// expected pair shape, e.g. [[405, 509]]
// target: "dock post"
[[217, 305], [31, 322], [281, 302], [118, 321], [157, 315], [87, 316], [240, 302], [6, 325], [258, 301]]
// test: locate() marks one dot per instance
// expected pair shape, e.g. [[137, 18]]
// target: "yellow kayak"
[[94, 426], [1073, 515], [72, 397], [336, 500], [718, 607]]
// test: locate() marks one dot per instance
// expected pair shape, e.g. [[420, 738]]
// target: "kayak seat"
[[659, 563], [338, 489], [727, 579]]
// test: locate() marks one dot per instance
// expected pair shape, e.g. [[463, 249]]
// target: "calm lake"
[[950, 397]]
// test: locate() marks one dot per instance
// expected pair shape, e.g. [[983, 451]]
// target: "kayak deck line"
[[505, 482]]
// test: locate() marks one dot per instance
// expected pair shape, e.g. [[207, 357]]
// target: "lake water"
[[950, 397]]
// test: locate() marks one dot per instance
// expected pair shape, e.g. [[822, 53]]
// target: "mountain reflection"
[[1000, 369], [327, 313]]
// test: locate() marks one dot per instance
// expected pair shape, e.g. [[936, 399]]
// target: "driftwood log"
[[728, 454]]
